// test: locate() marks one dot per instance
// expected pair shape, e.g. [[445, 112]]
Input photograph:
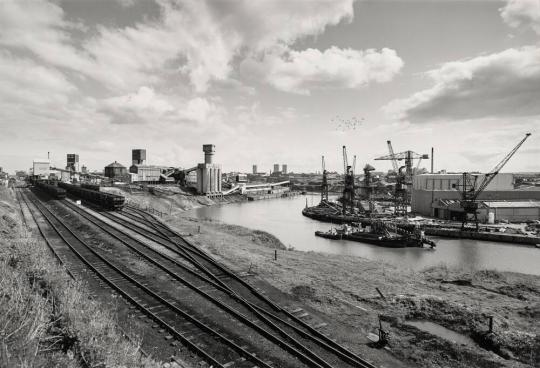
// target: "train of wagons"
[[93, 195]]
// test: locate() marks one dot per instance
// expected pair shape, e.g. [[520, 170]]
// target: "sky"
[[270, 81]]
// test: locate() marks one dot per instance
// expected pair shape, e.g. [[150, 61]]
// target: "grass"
[[46, 318]]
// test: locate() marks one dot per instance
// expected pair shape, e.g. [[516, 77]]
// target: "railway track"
[[202, 275], [236, 284], [170, 316]]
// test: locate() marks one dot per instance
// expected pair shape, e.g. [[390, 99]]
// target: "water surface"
[[283, 218]]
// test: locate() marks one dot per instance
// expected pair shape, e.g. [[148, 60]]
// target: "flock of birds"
[[343, 124]]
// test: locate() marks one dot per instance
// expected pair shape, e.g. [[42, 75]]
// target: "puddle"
[[442, 332]]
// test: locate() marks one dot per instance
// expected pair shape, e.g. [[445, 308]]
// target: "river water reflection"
[[283, 218]]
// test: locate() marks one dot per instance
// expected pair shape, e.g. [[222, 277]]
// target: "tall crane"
[[324, 185], [471, 188], [403, 178], [348, 187]]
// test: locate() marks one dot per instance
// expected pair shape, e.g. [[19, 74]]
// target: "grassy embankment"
[[46, 318]]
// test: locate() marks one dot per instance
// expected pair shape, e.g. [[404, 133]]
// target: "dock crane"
[[471, 189], [403, 178], [324, 185], [348, 188]]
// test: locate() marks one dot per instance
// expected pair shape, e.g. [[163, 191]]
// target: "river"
[[283, 218]]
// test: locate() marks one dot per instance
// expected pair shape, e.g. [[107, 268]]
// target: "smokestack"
[[432, 160], [209, 150]]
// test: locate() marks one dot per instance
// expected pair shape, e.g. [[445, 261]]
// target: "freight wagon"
[[52, 190], [106, 200]]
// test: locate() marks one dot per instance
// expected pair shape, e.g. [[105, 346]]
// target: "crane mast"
[[324, 186], [470, 190]]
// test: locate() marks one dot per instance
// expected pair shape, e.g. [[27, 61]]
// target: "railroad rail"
[[172, 317], [298, 325], [230, 293]]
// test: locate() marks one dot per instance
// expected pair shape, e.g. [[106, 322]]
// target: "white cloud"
[[301, 71], [148, 107], [200, 39], [27, 83], [517, 13], [505, 84]]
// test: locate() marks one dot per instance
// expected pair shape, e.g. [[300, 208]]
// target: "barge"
[[378, 233]]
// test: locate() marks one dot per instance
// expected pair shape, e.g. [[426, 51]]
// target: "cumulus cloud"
[[199, 39], [504, 84], [518, 13], [301, 71], [148, 107]]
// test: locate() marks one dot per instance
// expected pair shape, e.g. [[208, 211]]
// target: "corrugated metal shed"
[[511, 204]]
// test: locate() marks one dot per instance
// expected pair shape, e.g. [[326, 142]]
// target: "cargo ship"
[[379, 233]]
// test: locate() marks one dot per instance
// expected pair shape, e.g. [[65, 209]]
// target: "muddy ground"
[[344, 288]]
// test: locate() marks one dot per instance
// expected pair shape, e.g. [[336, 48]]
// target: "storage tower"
[[72, 162], [138, 156], [209, 174]]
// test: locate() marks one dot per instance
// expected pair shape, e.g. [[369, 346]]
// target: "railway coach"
[[105, 200]]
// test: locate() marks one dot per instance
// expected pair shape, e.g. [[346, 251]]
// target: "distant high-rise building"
[[284, 169], [276, 168], [254, 169], [138, 156]]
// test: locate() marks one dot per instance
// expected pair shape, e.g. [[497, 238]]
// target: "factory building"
[[436, 194], [72, 162], [115, 171], [284, 169], [208, 174], [138, 157], [145, 173], [41, 168], [276, 169]]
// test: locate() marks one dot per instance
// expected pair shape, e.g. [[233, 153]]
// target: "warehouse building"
[[41, 168], [436, 194]]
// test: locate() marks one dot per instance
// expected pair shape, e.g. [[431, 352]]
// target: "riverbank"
[[344, 288], [46, 318]]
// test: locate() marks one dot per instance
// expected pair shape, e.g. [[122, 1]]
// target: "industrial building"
[[115, 171], [41, 168], [139, 171], [145, 173], [438, 195], [138, 157], [208, 174], [284, 169], [72, 162], [254, 171], [276, 169]]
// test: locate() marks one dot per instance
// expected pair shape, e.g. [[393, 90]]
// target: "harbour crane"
[[324, 186], [403, 178], [471, 188], [348, 188]]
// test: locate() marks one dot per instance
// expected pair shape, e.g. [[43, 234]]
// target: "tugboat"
[[379, 233]]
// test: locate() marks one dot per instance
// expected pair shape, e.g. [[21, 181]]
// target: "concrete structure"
[[115, 171], [284, 169], [146, 173], [254, 171], [72, 162], [41, 168], [208, 174], [276, 168], [433, 195], [138, 157]]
